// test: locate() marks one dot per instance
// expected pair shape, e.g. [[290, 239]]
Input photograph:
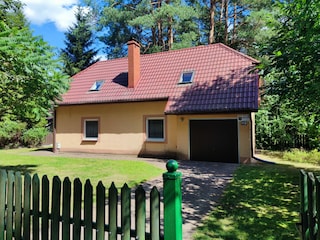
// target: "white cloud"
[[60, 12]]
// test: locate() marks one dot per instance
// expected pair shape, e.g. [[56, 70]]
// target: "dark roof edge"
[[237, 111], [115, 101]]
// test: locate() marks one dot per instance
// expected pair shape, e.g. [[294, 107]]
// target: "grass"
[[108, 171], [262, 202]]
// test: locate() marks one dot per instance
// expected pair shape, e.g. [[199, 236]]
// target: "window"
[[186, 77], [91, 129], [155, 129], [97, 85]]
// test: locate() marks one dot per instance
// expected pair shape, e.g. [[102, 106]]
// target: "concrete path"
[[202, 184]]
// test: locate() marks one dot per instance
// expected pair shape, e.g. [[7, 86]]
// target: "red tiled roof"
[[223, 81]]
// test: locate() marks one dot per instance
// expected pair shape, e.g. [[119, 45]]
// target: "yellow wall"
[[122, 130]]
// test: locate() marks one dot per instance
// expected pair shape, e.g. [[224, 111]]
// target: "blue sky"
[[50, 18]]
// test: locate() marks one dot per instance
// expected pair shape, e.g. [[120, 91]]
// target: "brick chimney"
[[133, 63]]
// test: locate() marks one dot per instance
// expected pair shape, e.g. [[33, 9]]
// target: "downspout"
[[54, 149], [252, 149]]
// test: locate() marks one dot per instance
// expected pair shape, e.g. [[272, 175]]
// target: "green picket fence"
[[310, 205], [34, 209]]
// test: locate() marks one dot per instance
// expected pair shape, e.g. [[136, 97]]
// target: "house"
[[196, 103]]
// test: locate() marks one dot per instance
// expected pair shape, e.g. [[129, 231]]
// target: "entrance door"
[[214, 140]]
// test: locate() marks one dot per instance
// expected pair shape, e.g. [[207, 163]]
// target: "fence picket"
[[113, 211], [26, 206], [45, 207], [55, 208], [304, 204], [35, 207], [18, 206], [10, 202], [140, 219], [125, 212], [155, 214], [66, 208], [88, 205], [101, 201], [318, 206], [16, 213], [311, 205], [77, 198], [3, 188]]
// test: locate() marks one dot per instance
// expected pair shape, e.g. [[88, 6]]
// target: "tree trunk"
[[234, 30], [170, 32], [212, 21], [226, 13]]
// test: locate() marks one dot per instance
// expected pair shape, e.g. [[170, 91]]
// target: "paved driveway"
[[202, 184]]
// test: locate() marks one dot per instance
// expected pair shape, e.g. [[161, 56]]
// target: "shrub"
[[33, 137], [10, 133], [297, 155]]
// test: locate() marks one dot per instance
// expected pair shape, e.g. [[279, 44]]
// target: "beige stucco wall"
[[122, 130]]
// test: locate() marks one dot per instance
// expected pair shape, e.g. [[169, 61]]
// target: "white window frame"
[[147, 129], [94, 86], [85, 138]]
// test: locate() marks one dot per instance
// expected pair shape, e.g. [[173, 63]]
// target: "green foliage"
[[34, 137], [30, 78], [79, 52], [11, 12], [280, 126], [262, 202], [294, 52], [11, 133]]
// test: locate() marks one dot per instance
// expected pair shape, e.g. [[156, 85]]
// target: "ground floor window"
[[155, 129], [91, 129]]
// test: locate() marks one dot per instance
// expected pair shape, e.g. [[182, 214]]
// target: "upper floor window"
[[187, 77], [96, 86]]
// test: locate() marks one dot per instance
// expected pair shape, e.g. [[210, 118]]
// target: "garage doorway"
[[214, 140]]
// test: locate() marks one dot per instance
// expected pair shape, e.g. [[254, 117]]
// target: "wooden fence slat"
[[77, 198], [125, 212], [113, 211], [10, 202], [88, 205], [66, 208], [318, 205], [311, 205], [55, 208], [304, 204], [18, 206], [45, 207], [140, 217], [35, 206], [101, 201], [26, 206], [3, 188], [155, 214]]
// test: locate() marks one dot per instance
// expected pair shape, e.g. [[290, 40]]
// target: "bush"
[[297, 155], [34, 137], [10, 133]]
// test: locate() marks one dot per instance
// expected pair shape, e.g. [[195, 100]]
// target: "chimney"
[[133, 63]]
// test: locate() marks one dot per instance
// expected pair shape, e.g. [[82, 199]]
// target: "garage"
[[214, 140]]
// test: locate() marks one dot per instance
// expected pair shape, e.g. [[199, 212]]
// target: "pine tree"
[[79, 52]]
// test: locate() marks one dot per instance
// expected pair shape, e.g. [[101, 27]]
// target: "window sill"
[[155, 140], [90, 139]]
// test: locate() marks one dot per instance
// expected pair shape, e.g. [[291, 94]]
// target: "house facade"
[[190, 104]]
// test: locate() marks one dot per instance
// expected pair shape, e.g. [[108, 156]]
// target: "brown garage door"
[[214, 140]]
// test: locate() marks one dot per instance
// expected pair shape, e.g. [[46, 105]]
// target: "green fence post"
[[172, 199]]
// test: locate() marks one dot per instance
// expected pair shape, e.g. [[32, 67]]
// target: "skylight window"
[[187, 77], [97, 85]]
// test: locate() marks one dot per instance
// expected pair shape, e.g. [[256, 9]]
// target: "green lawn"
[[118, 171], [262, 202]]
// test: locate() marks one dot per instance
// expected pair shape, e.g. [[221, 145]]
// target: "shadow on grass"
[[261, 203], [23, 169]]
